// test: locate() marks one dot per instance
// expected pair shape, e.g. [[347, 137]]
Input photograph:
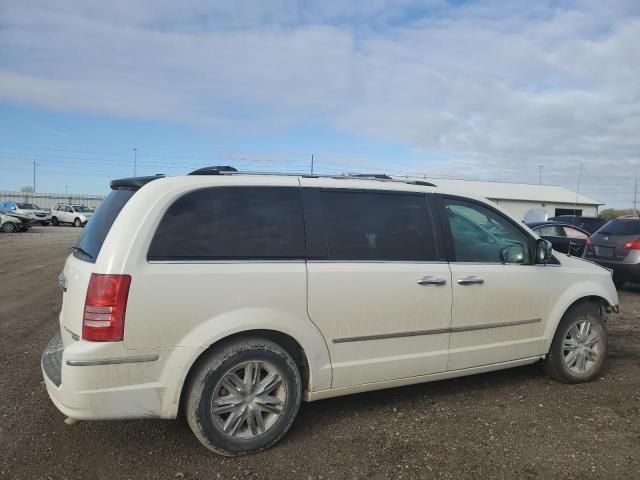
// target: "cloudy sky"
[[466, 89]]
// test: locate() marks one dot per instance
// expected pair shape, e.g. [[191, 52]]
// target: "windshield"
[[96, 230], [81, 208], [621, 227]]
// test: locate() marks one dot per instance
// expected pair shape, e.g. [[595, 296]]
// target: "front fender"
[[575, 292]]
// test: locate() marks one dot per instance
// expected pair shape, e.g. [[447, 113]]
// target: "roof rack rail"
[[382, 177], [214, 170]]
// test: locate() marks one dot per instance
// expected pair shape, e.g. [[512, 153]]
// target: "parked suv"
[[617, 246], [40, 215], [232, 297], [76, 215]]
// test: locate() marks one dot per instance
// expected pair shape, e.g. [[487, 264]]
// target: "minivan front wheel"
[[579, 346], [244, 397]]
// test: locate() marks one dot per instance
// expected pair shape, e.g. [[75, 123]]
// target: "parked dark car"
[[590, 224], [617, 246], [565, 238]]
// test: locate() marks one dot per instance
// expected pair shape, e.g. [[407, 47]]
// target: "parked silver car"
[[11, 221], [40, 215]]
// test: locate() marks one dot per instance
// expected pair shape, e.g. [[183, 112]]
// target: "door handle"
[[471, 280], [432, 281]]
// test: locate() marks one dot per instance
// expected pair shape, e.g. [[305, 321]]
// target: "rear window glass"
[[100, 223], [377, 226], [242, 223], [621, 227]]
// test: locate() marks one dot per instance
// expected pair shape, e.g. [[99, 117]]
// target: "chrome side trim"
[[113, 361], [494, 325], [383, 336], [435, 331]]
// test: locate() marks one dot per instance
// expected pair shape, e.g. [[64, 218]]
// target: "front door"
[[500, 299], [378, 291]]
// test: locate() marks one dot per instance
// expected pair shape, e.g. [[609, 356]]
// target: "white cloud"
[[497, 89]]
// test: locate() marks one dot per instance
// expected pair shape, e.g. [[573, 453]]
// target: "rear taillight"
[[632, 245], [589, 241], [105, 307]]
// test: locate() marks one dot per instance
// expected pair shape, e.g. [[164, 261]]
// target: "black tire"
[[54, 221], [555, 364], [206, 381], [8, 227], [77, 222], [44, 224]]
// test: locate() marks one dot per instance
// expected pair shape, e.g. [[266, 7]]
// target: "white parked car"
[[231, 297], [76, 215]]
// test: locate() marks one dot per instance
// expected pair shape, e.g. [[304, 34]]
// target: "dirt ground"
[[510, 424]]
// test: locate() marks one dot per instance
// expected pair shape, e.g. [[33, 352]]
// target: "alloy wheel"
[[581, 346], [248, 400]]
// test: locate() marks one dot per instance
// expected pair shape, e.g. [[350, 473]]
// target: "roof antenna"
[[575, 205]]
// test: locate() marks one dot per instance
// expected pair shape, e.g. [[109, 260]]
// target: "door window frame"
[[447, 235]]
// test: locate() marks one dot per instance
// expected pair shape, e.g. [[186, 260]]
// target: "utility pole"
[[135, 161], [312, 164], [34, 176], [540, 167]]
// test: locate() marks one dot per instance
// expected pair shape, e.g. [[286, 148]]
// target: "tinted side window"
[[377, 226], [232, 223], [482, 235]]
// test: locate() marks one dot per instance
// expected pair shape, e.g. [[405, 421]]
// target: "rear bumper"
[[94, 388]]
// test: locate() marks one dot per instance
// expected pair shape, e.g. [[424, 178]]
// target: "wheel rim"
[[8, 227], [582, 345], [248, 400]]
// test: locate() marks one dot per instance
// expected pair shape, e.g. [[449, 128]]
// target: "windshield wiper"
[[84, 252]]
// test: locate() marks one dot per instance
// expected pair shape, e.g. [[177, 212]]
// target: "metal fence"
[[49, 200]]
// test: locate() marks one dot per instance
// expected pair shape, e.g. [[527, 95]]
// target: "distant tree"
[[611, 213], [26, 189]]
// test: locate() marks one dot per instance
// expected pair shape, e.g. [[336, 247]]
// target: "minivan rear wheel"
[[243, 397], [579, 346]]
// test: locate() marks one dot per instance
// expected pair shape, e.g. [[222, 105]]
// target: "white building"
[[519, 198]]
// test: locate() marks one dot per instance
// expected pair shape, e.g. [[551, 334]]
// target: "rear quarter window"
[[98, 227], [242, 223]]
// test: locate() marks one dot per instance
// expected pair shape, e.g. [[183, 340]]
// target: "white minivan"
[[231, 297]]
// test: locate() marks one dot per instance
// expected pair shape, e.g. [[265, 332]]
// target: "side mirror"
[[544, 251], [512, 254]]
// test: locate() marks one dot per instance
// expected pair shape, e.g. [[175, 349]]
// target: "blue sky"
[[466, 89]]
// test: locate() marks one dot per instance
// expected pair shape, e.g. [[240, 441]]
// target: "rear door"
[[556, 235], [500, 297], [378, 284]]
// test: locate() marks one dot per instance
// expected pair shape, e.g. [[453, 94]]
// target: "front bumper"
[[84, 386]]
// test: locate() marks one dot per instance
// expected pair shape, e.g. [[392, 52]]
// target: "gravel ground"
[[510, 424]]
